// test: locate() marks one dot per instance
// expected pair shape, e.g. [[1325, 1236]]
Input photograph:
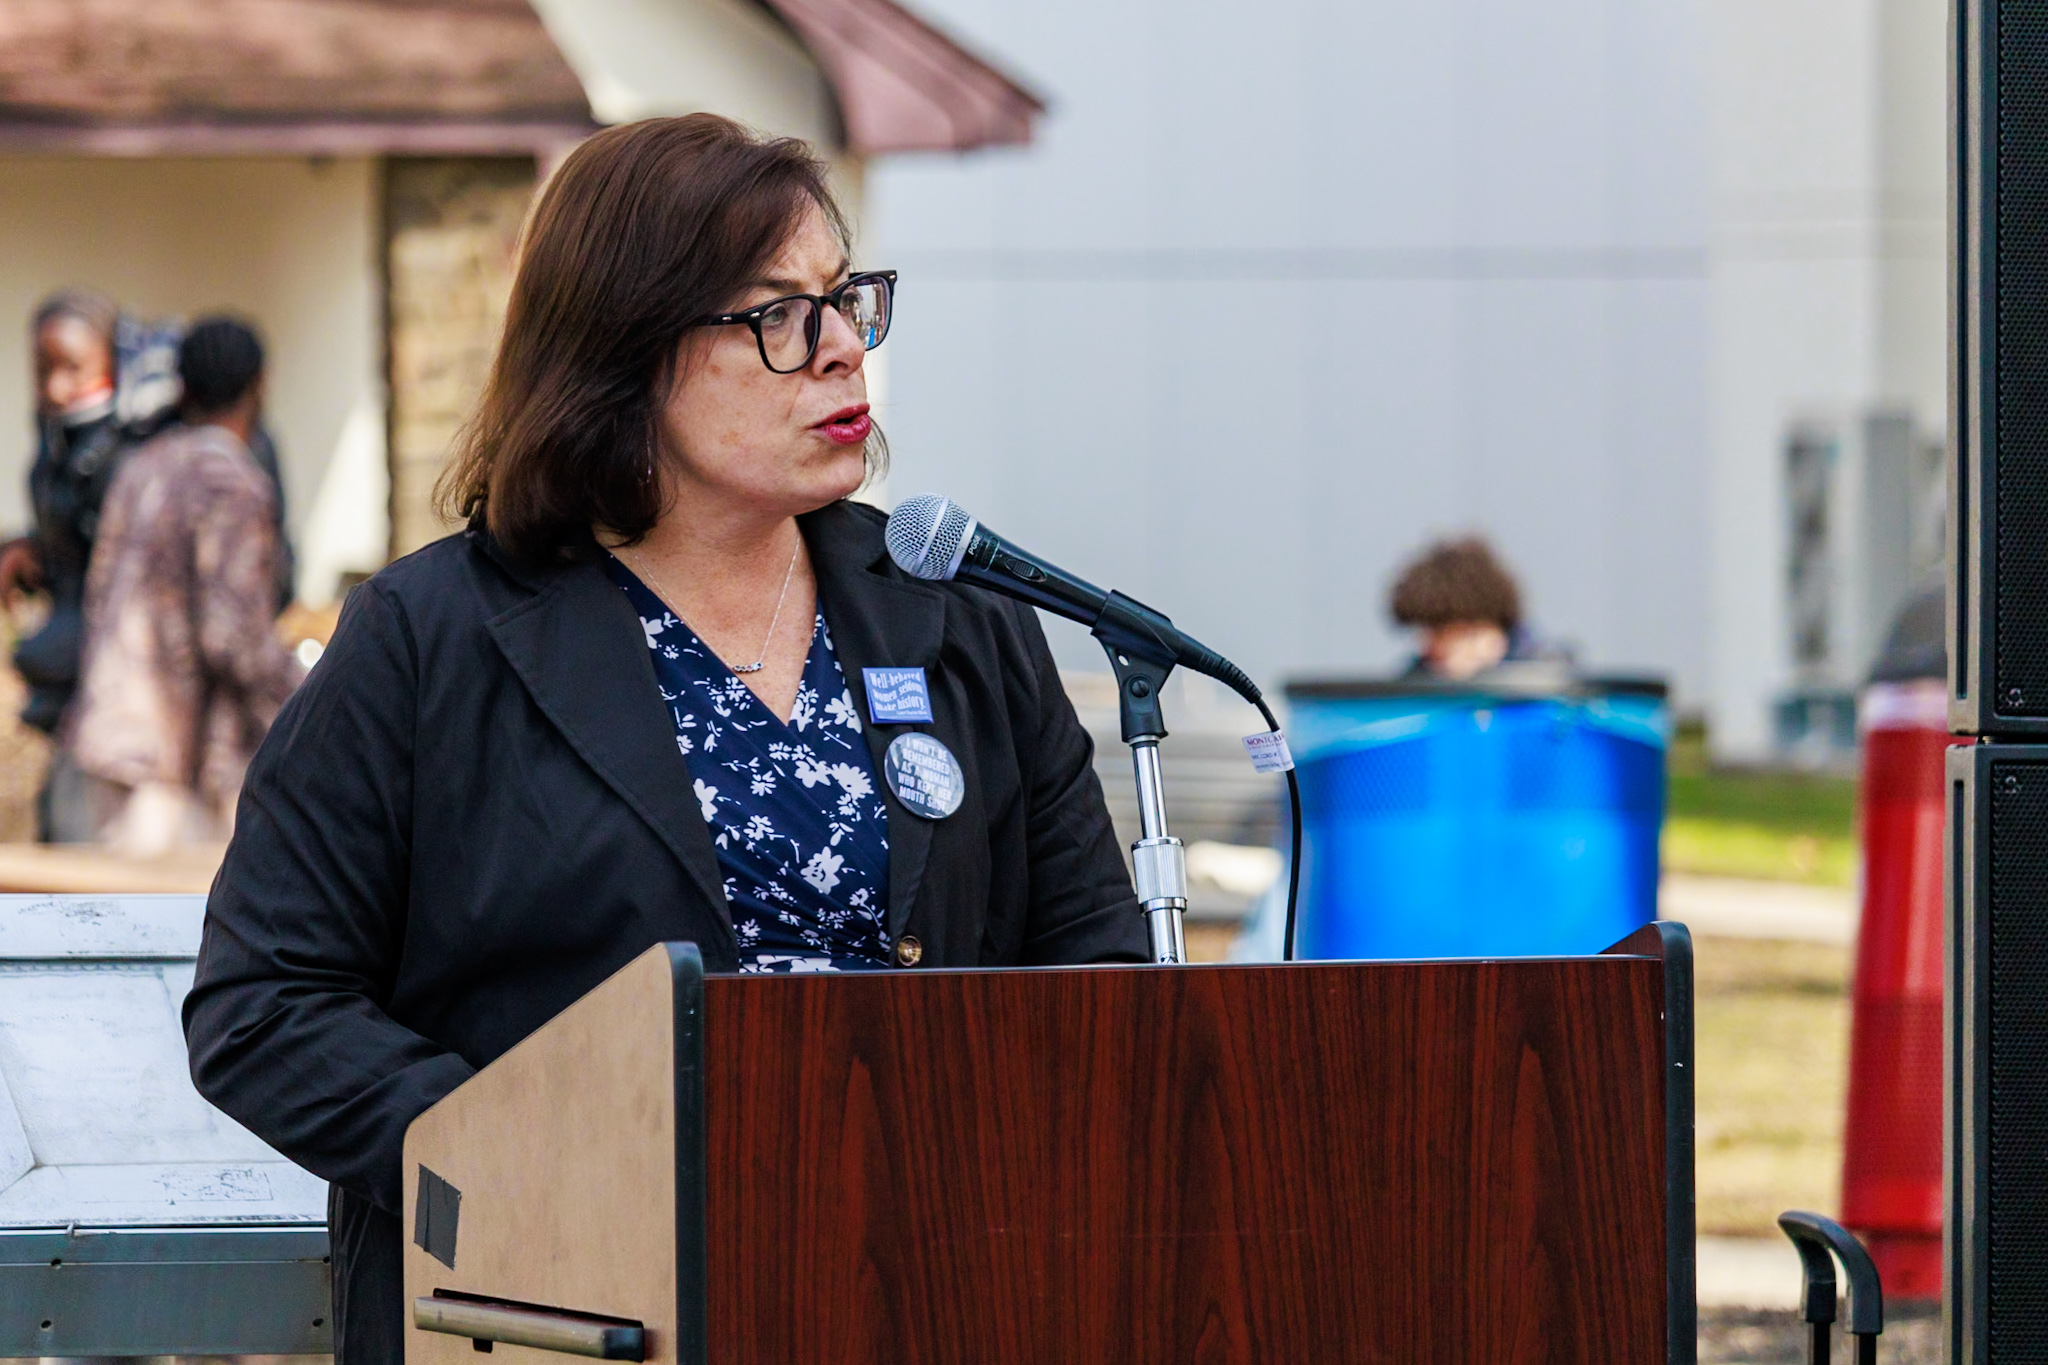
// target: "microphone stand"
[[1142, 658]]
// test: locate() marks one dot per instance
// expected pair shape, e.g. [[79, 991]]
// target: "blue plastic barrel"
[[1477, 820]]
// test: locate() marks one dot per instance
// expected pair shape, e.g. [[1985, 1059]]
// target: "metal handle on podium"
[[486, 1321]]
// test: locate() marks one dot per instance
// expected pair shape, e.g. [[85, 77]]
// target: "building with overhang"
[[352, 175], [1290, 287]]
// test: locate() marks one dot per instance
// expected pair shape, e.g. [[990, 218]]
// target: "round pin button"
[[909, 952], [925, 776]]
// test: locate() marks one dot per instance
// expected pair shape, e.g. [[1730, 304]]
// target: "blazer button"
[[909, 952]]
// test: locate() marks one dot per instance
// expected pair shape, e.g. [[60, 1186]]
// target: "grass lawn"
[[1772, 1058], [1773, 1018], [1773, 826]]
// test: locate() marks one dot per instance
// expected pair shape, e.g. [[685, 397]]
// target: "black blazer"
[[474, 810]]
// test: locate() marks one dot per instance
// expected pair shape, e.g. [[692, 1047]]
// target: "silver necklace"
[[662, 592]]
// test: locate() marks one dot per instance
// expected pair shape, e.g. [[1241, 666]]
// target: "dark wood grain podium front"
[[1415, 1161]]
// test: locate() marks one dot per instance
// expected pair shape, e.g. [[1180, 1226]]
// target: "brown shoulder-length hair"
[[642, 230]]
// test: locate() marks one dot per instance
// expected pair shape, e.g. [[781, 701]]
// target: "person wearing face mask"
[[104, 385], [666, 684], [83, 437]]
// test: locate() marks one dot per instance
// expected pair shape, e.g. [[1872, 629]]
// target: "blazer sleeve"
[[286, 1022], [1082, 908]]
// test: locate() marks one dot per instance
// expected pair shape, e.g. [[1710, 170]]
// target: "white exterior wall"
[[1285, 290], [1829, 121], [643, 58], [290, 243]]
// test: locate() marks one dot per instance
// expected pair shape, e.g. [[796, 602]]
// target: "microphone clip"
[[1142, 646]]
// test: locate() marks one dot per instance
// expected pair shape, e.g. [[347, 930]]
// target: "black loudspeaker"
[[1998, 371], [1996, 1286], [1997, 899]]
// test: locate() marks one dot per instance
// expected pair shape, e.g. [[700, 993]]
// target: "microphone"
[[935, 538]]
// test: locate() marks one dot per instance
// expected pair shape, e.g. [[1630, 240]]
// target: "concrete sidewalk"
[[1748, 1272], [1729, 907], [1749, 1310]]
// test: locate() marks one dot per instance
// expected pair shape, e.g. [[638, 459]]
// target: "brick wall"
[[451, 230]]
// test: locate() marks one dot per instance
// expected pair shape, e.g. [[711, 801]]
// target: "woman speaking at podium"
[[665, 685]]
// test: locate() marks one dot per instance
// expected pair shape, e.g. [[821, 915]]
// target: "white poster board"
[[99, 1124]]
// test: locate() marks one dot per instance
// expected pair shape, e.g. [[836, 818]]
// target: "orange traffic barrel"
[[1891, 1150]]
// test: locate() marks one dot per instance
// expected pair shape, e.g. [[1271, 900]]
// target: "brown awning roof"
[[903, 85], [309, 76]]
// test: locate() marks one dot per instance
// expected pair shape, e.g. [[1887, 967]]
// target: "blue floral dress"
[[800, 828]]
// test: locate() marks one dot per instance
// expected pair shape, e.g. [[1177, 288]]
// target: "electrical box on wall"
[[1866, 517]]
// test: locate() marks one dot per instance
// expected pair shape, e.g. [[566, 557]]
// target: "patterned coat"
[[182, 670]]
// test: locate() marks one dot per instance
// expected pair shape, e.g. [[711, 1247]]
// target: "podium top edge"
[[1535, 959]]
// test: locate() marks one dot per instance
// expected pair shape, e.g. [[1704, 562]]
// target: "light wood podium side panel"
[[565, 1144]]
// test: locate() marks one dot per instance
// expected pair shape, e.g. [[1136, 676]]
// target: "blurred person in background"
[[1466, 609], [83, 434], [183, 671]]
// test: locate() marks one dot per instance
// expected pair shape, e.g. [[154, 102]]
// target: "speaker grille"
[[2020, 372], [2018, 1146]]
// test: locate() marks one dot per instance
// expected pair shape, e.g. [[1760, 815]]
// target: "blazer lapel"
[[580, 650], [878, 620]]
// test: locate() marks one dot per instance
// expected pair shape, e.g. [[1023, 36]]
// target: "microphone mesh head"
[[928, 535]]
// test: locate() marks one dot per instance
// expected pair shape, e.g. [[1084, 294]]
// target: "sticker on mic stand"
[[925, 776], [1269, 752]]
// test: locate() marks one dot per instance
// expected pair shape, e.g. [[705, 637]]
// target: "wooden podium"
[[1433, 1162]]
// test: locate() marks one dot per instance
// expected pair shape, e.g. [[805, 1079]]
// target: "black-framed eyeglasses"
[[787, 329]]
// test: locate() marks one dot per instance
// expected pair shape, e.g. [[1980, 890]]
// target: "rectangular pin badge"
[[897, 696]]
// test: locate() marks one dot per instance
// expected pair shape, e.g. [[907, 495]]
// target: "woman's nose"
[[839, 345]]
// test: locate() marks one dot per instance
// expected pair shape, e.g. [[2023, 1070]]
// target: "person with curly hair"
[[1466, 608]]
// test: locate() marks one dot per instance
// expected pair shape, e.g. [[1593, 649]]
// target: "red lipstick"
[[848, 426]]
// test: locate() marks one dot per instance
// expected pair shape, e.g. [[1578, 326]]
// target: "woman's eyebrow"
[[781, 286]]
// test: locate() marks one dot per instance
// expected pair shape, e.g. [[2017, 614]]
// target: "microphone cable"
[[1293, 825]]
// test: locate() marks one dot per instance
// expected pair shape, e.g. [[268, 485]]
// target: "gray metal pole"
[[1158, 860]]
